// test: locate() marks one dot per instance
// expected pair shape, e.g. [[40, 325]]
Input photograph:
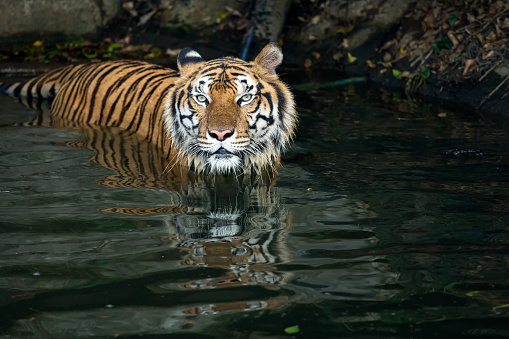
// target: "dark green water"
[[370, 231]]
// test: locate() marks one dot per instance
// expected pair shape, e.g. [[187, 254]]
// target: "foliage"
[[80, 49], [458, 41]]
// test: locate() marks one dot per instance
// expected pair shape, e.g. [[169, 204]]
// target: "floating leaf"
[[223, 15], [396, 73], [292, 329], [38, 43], [501, 306], [442, 115], [472, 293], [351, 58]]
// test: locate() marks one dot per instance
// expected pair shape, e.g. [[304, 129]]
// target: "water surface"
[[376, 226]]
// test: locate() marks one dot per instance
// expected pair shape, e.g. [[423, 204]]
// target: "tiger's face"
[[230, 116]]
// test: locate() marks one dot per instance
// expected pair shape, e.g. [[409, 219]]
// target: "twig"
[[496, 89], [423, 60], [491, 69], [505, 94]]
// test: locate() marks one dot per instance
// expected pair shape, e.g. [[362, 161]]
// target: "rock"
[[368, 16], [197, 14], [46, 17]]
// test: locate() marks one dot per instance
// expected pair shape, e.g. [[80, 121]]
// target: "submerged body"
[[217, 117]]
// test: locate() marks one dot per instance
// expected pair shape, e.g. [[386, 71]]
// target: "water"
[[369, 230]]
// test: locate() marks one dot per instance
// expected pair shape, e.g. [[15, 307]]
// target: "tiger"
[[218, 117]]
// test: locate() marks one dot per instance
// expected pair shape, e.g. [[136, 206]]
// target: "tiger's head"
[[230, 116]]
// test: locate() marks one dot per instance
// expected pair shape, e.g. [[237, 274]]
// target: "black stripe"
[[108, 95], [96, 89], [65, 101], [281, 103], [269, 99]]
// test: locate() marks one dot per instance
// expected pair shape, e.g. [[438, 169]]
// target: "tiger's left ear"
[[188, 60], [270, 58]]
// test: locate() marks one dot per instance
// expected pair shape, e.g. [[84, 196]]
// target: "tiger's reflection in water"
[[232, 223]]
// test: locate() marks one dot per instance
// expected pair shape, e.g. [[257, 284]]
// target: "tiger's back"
[[125, 94]]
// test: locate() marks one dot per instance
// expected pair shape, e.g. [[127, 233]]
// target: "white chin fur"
[[224, 164]]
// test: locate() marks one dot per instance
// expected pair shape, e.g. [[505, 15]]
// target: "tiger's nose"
[[220, 134]]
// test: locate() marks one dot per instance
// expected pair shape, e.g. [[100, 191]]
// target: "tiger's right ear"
[[188, 60]]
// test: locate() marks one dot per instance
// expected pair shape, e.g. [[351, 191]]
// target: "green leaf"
[[185, 29], [89, 53], [292, 329], [441, 43], [51, 54], [425, 73], [77, 42], [396, 73], [452, 19], [113, 47]]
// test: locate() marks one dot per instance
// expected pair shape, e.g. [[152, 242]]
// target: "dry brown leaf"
[[308, 63], [145, 18], [338, 55], [505, 24], [315, 20], [453, 39], [480, 38], [370, 64], [428, 22], [316, 55], [382, 71], [470, 17], [468, 65], [344, 43], [311, 37], [488, 55], [388, 44], [172, 52], [387, 57], [491, 37], [129, 6]]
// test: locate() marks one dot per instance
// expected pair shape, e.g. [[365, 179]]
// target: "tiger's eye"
[[246, 97], [201, 98]]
